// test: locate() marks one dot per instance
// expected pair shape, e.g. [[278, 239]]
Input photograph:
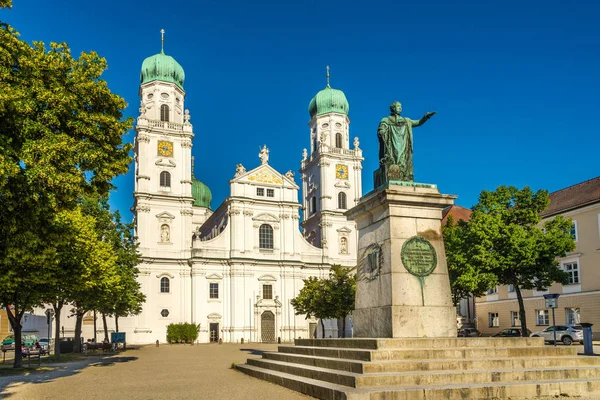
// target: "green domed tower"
[[201, 193], [161, 67], [328, 100]]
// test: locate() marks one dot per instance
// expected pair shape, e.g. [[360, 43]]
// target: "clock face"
[[165, 149], [341, 171]]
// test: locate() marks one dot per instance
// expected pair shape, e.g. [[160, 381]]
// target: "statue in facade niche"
[[396, 145], [165, 235]]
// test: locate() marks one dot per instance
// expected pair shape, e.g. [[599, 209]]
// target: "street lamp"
[[49, 315], [552, 302]]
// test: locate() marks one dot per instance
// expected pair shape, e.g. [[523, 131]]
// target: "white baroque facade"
[[234, 270]]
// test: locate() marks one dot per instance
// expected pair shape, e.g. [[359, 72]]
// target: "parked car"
[[9, 342], [45, 343], [564, 333], [469, 332], [511, 332]]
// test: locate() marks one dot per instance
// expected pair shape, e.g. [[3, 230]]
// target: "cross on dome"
[[162, 41]]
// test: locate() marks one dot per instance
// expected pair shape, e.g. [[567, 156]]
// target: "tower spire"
[[162, 41], [327, 75]]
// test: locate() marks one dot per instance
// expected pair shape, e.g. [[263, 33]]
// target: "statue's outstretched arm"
[[421, 121]]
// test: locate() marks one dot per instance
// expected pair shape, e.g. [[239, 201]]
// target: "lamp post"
[[49, 315], [552, 302]]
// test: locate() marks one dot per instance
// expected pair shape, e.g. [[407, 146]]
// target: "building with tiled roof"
[[457, 213], [580, 299]]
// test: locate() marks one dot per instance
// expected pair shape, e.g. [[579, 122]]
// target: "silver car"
[[564, 333]]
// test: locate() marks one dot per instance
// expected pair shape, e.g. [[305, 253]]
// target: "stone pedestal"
[[391, 301]]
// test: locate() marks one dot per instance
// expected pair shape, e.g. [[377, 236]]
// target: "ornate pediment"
[[265, 218], [267, 278], [214, 276], [342, 184], [214, 316], [344, 230], [165, 163], [165, 215], [265, 175]]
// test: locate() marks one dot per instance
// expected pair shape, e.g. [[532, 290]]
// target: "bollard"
[[220, 341], [242, 341], [156, 342], [588, 346]]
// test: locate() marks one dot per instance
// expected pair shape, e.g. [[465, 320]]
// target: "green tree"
[[466, 278], [341, 286], [313, 300], [60, 138], [332, 297], [504, 238]]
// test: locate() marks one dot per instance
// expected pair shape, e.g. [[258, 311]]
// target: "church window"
[[213, 291], [165, 179], [268, 292], [338, 140], [342, 200], [270, 192], [165, 285], [164, 113], [313, 205], [164, 313], [265, 236], [260, 191], [314, 143]]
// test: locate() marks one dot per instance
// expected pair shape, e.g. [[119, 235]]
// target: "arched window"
[[165, 179], [164, 113], [265, 236], [313, 205], [338, 140], [342, 200], [165, 285]]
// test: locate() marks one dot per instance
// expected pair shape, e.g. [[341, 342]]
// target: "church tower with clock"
[[331, 176]]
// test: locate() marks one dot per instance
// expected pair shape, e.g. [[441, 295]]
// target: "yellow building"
[[4, 324], [579, 301]]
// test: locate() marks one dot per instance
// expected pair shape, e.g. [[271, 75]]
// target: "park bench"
[[105, 347]]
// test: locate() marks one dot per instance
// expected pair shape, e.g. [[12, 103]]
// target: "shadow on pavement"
[[254, 351], [9, 382]]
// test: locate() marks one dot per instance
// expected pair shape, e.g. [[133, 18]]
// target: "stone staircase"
[[429, 368]]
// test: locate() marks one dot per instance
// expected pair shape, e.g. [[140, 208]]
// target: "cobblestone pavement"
[[166, 372]]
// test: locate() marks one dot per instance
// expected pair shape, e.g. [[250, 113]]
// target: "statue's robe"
[[396, 144]]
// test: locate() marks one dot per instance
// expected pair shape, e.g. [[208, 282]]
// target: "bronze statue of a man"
[[396, 144]]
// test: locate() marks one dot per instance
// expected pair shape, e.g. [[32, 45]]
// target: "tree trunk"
[[15, 323], [116, 323], [323, 327], [344, 327], [78, 324], [521, 311], [57, 310], [105, 327]]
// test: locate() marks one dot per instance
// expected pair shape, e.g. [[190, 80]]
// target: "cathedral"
[[233, 269]]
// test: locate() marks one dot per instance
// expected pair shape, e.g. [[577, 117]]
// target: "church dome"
[[161, 67], [201, 193], [328, 100]]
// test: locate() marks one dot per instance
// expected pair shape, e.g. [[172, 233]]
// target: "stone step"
[[408, 378], [419, 343], [431, 365], [493, 390], [431, 353]]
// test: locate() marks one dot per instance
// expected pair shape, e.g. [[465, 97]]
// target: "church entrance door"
[[214, 332], [267, 326]]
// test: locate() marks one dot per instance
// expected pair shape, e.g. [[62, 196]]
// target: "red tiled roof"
[[457, 213], [579, 195]]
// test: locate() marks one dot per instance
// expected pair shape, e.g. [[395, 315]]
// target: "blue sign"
[[117, 337]]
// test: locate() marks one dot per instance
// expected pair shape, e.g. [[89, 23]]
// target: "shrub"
[[182, 333]]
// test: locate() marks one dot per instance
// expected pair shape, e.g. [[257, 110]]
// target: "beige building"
[[579, 301]]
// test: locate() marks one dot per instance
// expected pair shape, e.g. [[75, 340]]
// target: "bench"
[[105, 347]]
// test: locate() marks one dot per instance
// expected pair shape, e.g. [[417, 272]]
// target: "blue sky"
[[515, 84]]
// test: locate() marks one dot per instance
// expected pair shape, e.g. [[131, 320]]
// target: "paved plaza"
[[166, 372]]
